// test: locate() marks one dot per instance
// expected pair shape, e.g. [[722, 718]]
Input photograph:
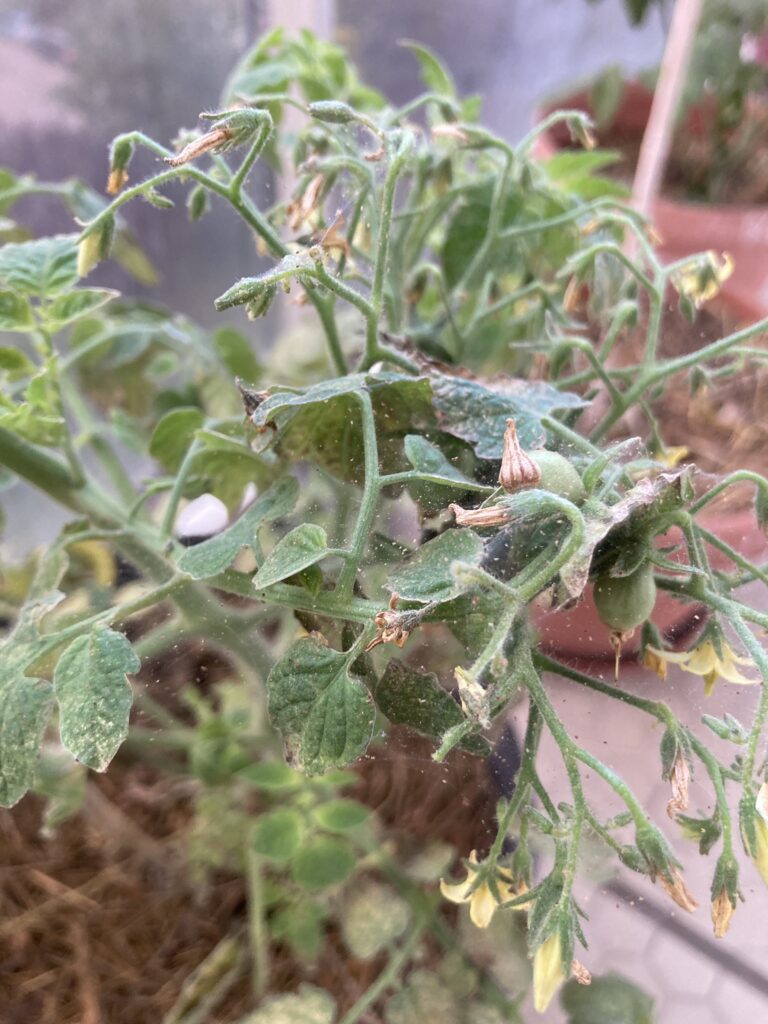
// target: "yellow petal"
[[728, 671], [548, 972], [458, 892], [710, 678], [703, 659], [677, 658], [482, 907]]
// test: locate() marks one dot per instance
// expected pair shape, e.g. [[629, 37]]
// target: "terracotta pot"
[[579, 634], [687, 227]]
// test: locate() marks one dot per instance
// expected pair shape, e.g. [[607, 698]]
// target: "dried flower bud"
[[517, 467], [679, 777], [449, 131], [232, 128], [120, 153], [580, 973], [675, 887], [393, 628], [722, 912], [654, 662], [305, 204], [493, 515], [215, 139], [475, 699]]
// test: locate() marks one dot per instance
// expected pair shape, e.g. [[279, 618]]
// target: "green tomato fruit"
[[558, 476], [625, 602]]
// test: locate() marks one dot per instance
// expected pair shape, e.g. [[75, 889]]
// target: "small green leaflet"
[[299, 549], [325, 715], [277, 834], [94, 695], [427, 576], [76, 304], [214, 555], [235, 352], [434, 75], [173, 435], [15, 312], [323, 861], [43, 267], [428, 459]]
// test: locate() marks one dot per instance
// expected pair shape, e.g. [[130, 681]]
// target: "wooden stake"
[[658, 133]]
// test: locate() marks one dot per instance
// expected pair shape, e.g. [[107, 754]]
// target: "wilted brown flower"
[[722, 912], [492, 515], [517, 467], [677, 890], [679, 777], [117, 180], [217, 136]]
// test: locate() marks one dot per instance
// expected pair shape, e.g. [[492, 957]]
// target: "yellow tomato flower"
[[482, 902], [548, 973], [705, 661], [701, 278]]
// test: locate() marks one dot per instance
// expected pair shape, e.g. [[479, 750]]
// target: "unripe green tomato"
[[558, 476], [625, 602]]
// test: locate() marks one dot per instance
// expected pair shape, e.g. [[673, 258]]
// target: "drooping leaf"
[[76, 304], [303, 546], [25, 701], [323, 861], [15, 312], [214, 555], [43, 267], [372, 918], [477, 410], [173, 435], [427, 576], [325, 715], [407, 697], [94, 695], [25, 705], [628, 520]]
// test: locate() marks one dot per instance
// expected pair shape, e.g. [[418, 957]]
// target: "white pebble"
[[203, 517]]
